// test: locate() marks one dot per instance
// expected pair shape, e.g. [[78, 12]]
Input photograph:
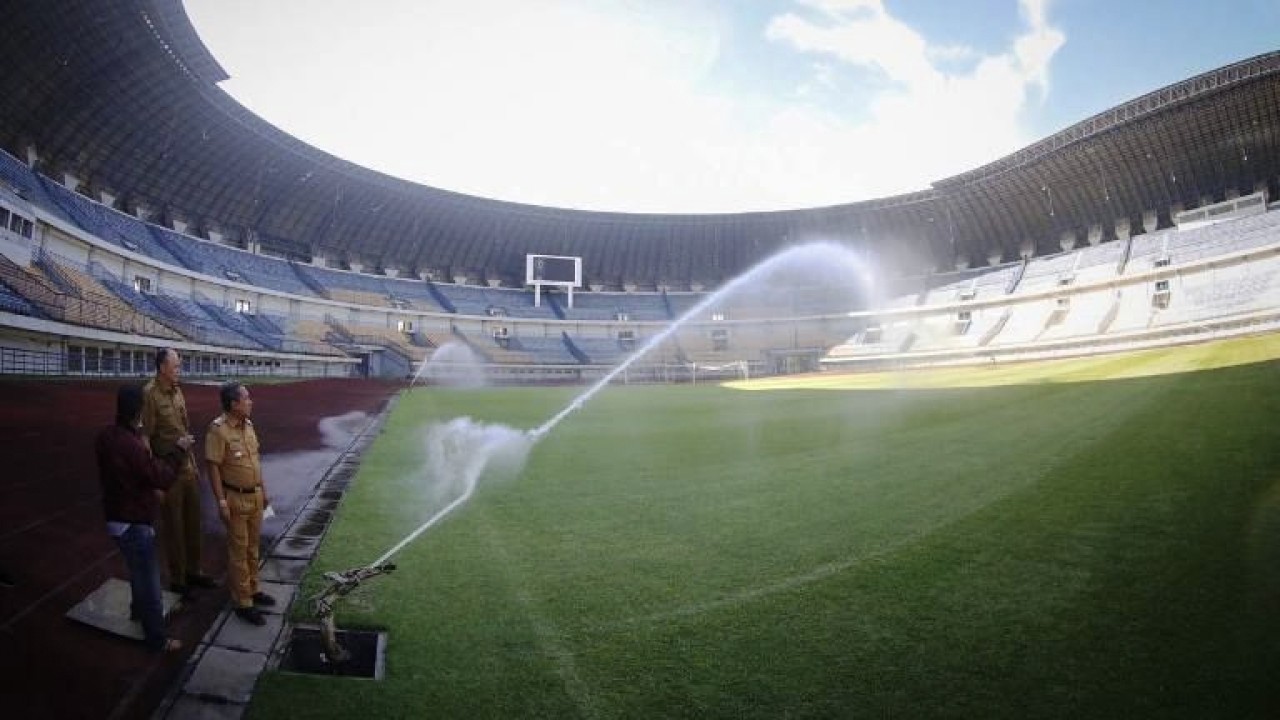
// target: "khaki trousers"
[[243, 532], [178, 531]]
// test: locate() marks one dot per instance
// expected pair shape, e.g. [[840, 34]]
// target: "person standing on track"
[[131, 480], [235, 474], [164, 425]]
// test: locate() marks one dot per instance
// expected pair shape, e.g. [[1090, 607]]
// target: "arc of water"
[[440, 515], [750, 276], [481, 455]]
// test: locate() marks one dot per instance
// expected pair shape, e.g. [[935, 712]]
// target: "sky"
[[704, 106]]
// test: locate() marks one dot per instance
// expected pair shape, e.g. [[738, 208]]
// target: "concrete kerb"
[[220, 676]]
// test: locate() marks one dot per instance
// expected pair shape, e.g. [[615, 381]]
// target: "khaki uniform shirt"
[[164, 420], [234, 449]]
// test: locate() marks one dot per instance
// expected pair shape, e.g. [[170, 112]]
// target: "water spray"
[[476, 445], [459, 450], [833, 253], [453, 364]]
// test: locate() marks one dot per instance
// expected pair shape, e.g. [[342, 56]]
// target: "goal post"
[[740, 368]]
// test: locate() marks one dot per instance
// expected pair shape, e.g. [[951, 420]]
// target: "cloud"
[[951, 53], [928, 123], [610, 105], [861, 33], [1035, 49]]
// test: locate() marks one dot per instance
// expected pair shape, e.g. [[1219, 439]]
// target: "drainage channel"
[[221, 674]]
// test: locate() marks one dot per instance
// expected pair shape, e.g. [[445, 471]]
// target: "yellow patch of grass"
[[1141, 363]]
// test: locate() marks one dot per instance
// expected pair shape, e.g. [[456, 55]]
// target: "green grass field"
[[1038, 548]]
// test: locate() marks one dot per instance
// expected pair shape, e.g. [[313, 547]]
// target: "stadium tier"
[[606, 306], [1175, 281], [107, 224], [1071, 295], [27, 185], [13, 302]]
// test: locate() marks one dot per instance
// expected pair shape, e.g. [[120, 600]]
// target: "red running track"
[[55, 548]]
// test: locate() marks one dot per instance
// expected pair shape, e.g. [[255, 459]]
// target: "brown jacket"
[[129, 476]]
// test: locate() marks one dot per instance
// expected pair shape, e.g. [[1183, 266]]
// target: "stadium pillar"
[[1095, 233], [1067, 241], [1122, 228]]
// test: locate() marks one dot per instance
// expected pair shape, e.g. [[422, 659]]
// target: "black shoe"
[[263, 599], [251, 615], [202, 581], [183, 591]]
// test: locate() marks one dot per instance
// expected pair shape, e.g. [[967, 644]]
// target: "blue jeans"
[[138, 545]]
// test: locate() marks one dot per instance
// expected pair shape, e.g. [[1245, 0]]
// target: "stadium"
[[1003, 447]]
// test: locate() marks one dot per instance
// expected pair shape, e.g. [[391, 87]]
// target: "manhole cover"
[[306, 653]]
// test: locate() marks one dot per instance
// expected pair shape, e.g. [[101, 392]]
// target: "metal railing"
[[16, 361]]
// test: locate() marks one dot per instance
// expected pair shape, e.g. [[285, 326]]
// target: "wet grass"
[[1083, 549]]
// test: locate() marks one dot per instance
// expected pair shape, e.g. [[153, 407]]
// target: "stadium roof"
[[124, 96]]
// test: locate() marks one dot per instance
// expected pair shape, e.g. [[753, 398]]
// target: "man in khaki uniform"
[[166, 431], [235, 473]]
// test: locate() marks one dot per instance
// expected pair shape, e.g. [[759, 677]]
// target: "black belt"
[[246, 491]]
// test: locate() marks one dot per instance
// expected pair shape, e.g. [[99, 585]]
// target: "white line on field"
[[550, 640]]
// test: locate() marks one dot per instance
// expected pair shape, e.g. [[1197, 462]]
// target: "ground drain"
[[306, 653], [318, 517], [309, 530]]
